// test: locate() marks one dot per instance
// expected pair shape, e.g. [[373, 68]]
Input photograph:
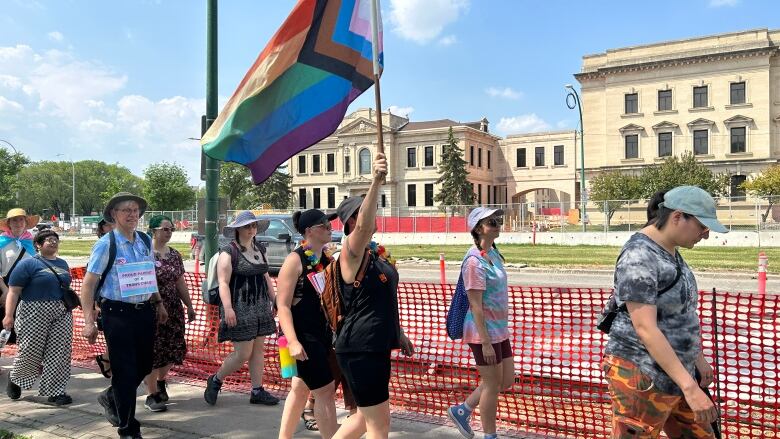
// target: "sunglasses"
[[494, 222], [325, 224], [166, 229]]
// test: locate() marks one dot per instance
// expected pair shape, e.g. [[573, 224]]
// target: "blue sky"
[[124, 81]]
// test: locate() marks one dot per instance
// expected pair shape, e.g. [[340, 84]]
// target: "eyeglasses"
[[51, 240], [129, 211], [702, 227], [249, 226], [494, 222], [166, 229]]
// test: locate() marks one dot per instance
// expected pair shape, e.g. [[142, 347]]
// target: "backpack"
[[611, 310], [210, 286], [459, 306], [330, 299], [112, 257]]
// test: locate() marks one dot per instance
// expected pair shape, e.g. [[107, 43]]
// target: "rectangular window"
[[384, 200], [429, 156], [489, 159], [471, 156], [664, 144], [495, 194], [316, 198], [315, 164], [479, 157], [700, 97], [701, 142], [479, 193], [737, 93], [411, 157], [302, 198], [411, 195], [301, 164], [738, 140], [429, 194], [632, 146], [331, 198], [521, 158], [330, 165], [346, 165], [539, 156], [737, 193], [664, 100], [632, 103], [487, 189], [558, 155]]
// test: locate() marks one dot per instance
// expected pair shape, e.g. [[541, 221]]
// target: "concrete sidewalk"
[[188, 416]]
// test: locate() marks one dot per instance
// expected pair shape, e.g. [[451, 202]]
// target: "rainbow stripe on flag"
[[299, 88]]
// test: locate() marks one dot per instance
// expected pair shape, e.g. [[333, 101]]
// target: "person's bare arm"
[[475, 306], [359, 238], [88, 306], [285, 283], [14, 293]]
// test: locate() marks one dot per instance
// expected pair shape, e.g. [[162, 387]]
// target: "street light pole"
[[73, 187], [583, 193]]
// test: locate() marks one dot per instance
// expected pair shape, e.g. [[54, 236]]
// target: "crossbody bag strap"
[[59, 279], [362, 270], [677, 277]]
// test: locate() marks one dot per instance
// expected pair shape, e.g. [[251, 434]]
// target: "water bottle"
[[286, 361], [4, 336]]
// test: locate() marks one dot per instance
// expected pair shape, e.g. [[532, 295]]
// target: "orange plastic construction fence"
[[559, 390]]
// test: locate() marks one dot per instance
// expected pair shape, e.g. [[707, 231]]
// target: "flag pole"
[[211, 165], [375, 55]]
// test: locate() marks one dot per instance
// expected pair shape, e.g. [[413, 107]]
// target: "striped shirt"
[[479, 274], [126, 253]]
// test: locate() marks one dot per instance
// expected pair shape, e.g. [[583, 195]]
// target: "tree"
[[166, 187], [10, 166], [235, 183], [46, 185], [765, 185], [455, 187], [611, 190], [684, 170]]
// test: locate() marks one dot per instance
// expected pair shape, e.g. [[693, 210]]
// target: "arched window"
[[365, 161]]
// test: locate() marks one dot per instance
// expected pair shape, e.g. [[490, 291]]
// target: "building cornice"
[[603, 72]]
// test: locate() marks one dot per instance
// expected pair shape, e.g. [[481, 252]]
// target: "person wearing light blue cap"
[[654, 350]]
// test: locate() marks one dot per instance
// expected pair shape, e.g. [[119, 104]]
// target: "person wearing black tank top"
[[370, 327], [309, 338]]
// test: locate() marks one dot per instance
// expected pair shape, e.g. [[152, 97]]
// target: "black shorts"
[[502, 349], [316, 371], [368, 376]]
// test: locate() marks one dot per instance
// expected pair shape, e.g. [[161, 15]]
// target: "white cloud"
[[562, 124], [55, 36], [722, 3], [401, 111], [526, 123], [9, 105], [505, 92], [96, 126], [10, 82], [449, 40], [422, 21]]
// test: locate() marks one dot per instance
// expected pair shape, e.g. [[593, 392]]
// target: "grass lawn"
[[700, 258], [5, 434], [82, 247]]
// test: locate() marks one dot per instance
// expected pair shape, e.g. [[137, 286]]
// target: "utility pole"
[[212, 165]]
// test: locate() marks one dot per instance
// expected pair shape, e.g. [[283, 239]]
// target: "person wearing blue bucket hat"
[[246, 314], [654, 352]]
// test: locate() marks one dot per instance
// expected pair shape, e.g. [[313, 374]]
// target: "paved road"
[[426, 271]]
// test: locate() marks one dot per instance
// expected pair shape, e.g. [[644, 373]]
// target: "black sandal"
[[309, 423], [104, 365]]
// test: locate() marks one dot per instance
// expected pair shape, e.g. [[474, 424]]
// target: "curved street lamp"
[[10, 144], [573, 101]]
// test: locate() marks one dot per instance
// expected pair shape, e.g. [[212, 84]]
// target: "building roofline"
[[539, 133], [683, 40]]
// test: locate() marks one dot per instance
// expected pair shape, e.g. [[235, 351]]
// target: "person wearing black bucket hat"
[[303, 323], [246, 313], [369, 329], [129, 313]]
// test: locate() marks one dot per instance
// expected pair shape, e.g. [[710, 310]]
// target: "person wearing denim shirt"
[[128, 322]]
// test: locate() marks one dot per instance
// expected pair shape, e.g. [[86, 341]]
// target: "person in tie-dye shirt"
[[486, 327]]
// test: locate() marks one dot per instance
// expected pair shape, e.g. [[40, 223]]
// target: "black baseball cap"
[[305, 219]]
